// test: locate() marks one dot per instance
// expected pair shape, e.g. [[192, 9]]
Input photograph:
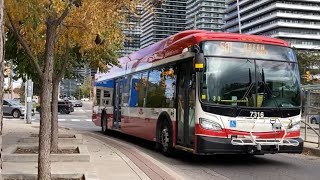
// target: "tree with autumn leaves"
[[48, 31]]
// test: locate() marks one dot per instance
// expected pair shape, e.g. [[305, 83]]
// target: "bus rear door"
[[117, 104]]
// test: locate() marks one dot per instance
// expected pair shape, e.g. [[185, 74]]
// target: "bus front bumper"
[[214, 145]]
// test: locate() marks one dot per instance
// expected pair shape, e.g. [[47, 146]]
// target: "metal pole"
[[11, 84], [319, 137], [307, 115], [29, 101], [238, 9], [69, 86], [195, 21], [25, 100]]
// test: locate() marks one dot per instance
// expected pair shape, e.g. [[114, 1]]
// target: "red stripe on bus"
[[144, 128], [264, 135], [224, 133]]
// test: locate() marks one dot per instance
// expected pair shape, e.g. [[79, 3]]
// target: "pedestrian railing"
[[314, 130]]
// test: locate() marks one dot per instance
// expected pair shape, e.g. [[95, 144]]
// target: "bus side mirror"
[[199, 62]]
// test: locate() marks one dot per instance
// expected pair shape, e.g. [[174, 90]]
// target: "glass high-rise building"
[[132, 32], [205, 14], [160, 20], [296, 21]]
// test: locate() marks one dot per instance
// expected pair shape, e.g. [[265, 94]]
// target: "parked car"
[[13, 108], [85, 99], [70, 106], [76, 103], [64, 107], [17, 100]]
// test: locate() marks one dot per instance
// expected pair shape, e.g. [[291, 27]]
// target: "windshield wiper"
[[266, 86]]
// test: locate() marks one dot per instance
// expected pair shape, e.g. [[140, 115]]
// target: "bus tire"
[[104, 124], [165, 138]]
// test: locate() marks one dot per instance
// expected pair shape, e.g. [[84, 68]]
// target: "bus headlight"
[[293, 126], [211, 125]]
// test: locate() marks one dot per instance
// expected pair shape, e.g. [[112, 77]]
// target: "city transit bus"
[[207, 93]]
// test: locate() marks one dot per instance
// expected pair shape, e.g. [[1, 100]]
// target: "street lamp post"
[[79, 84]]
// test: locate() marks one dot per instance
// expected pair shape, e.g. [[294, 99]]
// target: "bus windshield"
[[250, 82]]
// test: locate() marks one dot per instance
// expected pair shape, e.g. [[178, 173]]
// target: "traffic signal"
[[308, 76]]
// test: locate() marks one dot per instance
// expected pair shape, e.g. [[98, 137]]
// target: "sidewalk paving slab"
[[308, 147], [105, 162]]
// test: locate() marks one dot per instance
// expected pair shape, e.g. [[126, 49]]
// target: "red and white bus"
[[206, 92]]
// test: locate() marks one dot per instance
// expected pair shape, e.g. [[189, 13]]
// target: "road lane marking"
[[88, 119], [75, 119], [61, 120]]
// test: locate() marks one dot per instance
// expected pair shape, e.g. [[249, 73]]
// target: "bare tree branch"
[[25, 46]]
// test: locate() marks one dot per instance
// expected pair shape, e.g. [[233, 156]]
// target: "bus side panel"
[[142, 122], [136, 122], [96, 116], [109, 113]]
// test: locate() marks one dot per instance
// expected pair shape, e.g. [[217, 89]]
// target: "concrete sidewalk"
[[310, 148], [106, 162]]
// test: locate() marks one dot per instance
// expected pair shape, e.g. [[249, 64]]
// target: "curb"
[[85, 176], [153, 168], [311, 151]]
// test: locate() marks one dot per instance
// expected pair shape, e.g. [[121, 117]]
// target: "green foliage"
[[17, 56], [86, 87], [78, 93], [308, 60]]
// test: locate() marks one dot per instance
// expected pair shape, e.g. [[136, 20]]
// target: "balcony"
[[283, 24], [234, 6], [246, 9], [296, 36]]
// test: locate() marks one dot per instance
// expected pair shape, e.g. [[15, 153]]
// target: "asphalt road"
[[80, 119], [188, 166]]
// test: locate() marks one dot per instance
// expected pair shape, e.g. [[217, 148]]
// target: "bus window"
[[126, 91], [170, 86], [138, 89], [155, 89], [161, 88], [106, 94], [98, 97]]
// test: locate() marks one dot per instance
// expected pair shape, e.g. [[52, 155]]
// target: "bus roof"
[[174, 45]]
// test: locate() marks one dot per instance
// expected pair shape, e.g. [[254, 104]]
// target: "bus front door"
[[185, 109], [117, 105]]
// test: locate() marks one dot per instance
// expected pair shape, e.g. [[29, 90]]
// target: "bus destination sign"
[[248, 50]]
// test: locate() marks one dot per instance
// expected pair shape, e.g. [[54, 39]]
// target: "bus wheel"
[[166, 139], [104, 125]]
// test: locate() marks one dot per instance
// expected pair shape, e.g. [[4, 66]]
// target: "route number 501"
[[255, 114]]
